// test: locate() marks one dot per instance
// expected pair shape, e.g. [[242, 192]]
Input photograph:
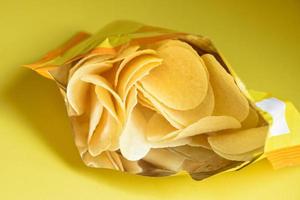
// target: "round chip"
[[239, 142], [180, 82], [228, 98]]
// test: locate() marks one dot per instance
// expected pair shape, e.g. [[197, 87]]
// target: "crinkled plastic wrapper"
[[156, 102]]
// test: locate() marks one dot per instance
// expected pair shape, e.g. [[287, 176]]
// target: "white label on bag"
[[276, 109]]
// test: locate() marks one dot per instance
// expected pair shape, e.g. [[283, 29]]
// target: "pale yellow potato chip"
[[158, 127], [241, 157], [90, 59], [228, 98], [131, 101], [96, 109], [135, 70], [110, 58], [180, 82], [103, 83], [240, 141], [206, 125], [147, 113], [199, 141], [179, 118], [159, 107], [188, 117], [133, 144], [80, 126], [165, 159], [129, 58], [101, 140], [77, 89], [144, 101], [115, 160], [173, 143], [106, 100], [100, 161], [131, 166], [251, 120]]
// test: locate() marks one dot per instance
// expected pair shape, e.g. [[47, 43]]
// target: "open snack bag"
[[155, 102]]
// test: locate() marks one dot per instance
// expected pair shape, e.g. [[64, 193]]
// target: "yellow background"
[[38, 159]]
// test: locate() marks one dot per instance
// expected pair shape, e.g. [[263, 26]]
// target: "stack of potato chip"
[[161, 108]]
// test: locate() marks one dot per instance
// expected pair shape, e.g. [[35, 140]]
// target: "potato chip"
[[101, 140], [129, 58], [180, 118], [188, 117], [240, 141], [103, 83], [228, 98], [241, 157], [77, 89], [105, 98], [158, 127], [135, 70], [172, 143], [200, 141], [159, 107], [133, 144], [104, 160], [90, 59], [181, 82], [80, 126], [144, 101], [199, 159], [96, 109], [131, 166], [115, 160], [165, 159]]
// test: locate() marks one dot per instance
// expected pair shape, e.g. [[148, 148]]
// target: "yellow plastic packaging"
[[282, 146]]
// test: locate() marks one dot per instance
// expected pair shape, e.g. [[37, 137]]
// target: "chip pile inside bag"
[[159, 108]]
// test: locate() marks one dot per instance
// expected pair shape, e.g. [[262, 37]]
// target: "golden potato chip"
[[106, 101], [188, 117], [131, 166], [115, 160], [103, 83], [228, 98], [77, 89], [199, 141], [180, 118], [101, 140], [129, 58], [96, 109], [165, 159], [159, 107], [251, 120], [95, 58], [241, 157], [168, 143], [206, 125], [80, 126], [180, 82], [144, 101], [240, 141], [90, 59], [158, 127], [100, 161], [134, 70]]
